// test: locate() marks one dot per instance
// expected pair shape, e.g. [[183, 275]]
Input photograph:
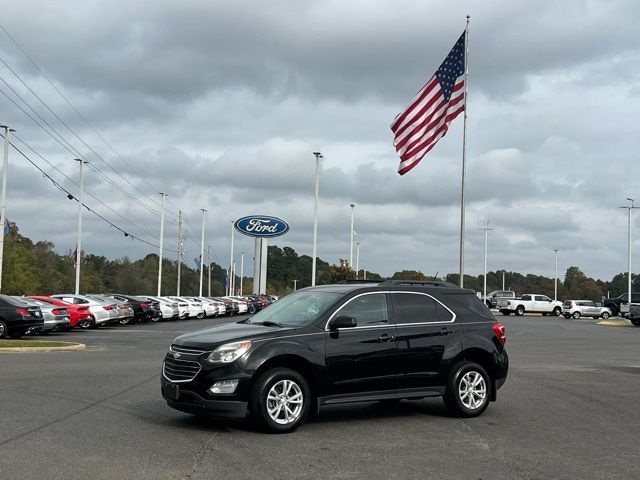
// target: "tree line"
[[35, 268]]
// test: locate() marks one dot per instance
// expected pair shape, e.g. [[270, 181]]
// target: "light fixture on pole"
[[555, 280], [353, 207], [3, 204], [318, 156], [204, 217], [629, 208], [486, 230], [162, 195]]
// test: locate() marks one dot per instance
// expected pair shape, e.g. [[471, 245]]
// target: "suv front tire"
[[280, 401]]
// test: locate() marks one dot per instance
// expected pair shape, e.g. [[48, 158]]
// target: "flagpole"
[[464, 152]]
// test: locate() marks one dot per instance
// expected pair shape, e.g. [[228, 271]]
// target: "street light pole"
[[79, 232], [295, 285], [209, 270], [353, 207], [231, 272], [486, 241], [179, 266], [204, 216], [3, 205], [162, 195], [241, 271], [555, 281], [318, 156], [357, 260], [629, 208]]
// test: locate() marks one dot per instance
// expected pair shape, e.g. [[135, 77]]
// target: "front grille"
[[187, 350], [178, 370]]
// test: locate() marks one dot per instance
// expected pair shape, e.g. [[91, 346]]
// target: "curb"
[[616, 323], [75, 347]]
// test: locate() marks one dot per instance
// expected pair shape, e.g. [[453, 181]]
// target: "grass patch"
[[33, 343]]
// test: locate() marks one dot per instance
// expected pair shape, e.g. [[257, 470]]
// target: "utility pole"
[[3, 206], [629, 208], [209, 269], [231, 272], [357, 259], [318, 156], [353, 207], [233, 280], [179, 266], [79, 232], [486, 238], [555, 280], [503, 280], [162, 195], [365, 273], [295, 285], [204, 216], [241, 271]]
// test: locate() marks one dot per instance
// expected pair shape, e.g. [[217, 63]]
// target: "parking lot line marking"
[[615, 323]]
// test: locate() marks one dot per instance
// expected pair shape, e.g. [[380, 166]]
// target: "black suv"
[[342, 343]]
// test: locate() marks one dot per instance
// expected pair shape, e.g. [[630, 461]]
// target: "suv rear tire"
[[468, 390], [605, 315], [280, 400], [576, 315]]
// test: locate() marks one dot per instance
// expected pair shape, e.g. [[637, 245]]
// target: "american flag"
[[426, 120]]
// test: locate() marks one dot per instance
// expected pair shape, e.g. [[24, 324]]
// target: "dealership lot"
[[568, 410]]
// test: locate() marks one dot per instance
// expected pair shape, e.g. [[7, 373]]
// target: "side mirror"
[[342, 322]]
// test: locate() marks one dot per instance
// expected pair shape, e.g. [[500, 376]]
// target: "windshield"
[[297, 309]]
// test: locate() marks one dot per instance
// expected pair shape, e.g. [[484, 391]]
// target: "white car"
[[102, 312], [584, 308], [195, 308], [243, 307], [183, 306], [530, 303], [169, 309], [210, 307]]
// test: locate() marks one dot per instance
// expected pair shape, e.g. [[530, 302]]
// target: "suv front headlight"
[[229, 352]]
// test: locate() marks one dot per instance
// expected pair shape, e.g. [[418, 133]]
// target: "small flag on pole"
[[196, 262], [426, 120], [6, 228]]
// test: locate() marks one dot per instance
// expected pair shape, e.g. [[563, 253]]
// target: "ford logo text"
[[261, 226]]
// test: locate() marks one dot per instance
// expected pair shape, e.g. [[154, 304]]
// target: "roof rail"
[[431, 283], [345, 282]]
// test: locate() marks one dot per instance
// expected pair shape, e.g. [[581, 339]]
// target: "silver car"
[[102, 312], [584, 308], [55, 318]]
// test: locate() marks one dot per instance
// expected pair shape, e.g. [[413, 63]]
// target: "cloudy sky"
[[221, 104]]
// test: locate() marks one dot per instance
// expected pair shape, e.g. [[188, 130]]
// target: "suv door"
[[425, 329], [362, 359]]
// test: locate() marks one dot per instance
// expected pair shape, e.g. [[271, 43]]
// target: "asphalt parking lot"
[[570, 409]]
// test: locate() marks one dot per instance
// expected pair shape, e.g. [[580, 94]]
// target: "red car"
[[78, 314]]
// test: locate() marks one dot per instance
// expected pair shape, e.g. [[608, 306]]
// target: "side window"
[[367, 309], [544, 298], [526, 297], [414, 308], [79, 300]]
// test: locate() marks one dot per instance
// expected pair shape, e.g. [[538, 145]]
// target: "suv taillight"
[[500, 332]]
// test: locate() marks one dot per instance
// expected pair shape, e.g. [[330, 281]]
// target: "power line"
[[72, 150], [70, 196], [15, 42]]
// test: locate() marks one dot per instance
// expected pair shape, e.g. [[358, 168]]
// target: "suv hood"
[[210, 338]]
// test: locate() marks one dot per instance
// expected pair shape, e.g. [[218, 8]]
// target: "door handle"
[[385, 337], [446, 330]]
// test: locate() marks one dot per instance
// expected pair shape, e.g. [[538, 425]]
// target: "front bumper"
[[182, 397]]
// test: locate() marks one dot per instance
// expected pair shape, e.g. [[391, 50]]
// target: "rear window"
[[7, 300], [471, 303], [567, 303]]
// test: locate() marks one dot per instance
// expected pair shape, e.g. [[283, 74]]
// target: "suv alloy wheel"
[[468, 390], [576, 315], [605, 315], [280, 401]]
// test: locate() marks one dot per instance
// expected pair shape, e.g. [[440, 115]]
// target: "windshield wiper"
[[268, 323]]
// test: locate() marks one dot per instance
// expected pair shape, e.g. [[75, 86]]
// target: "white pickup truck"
[[530, 303]]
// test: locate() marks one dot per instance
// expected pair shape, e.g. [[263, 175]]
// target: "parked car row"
[[40, 314]]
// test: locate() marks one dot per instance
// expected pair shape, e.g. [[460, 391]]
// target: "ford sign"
[[261, 226]]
